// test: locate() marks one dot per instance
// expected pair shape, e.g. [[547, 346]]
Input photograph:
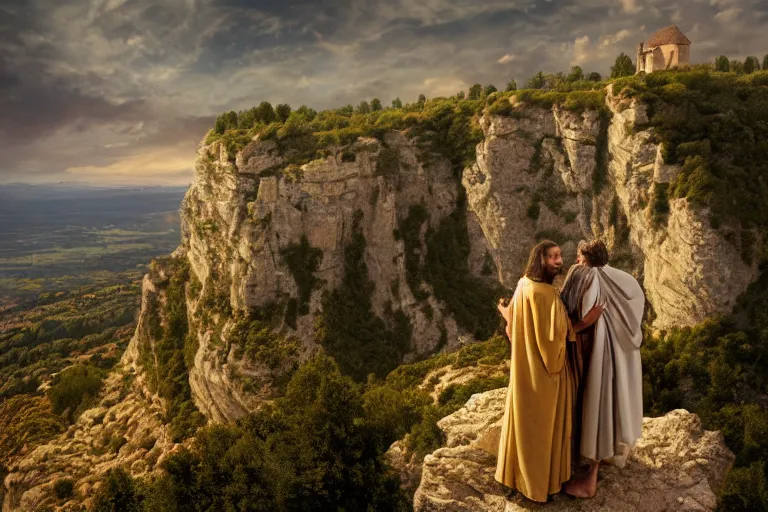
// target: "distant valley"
[[56, 237]]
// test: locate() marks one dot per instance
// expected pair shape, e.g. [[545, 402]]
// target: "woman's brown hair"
[[536, 269], [595, 252]]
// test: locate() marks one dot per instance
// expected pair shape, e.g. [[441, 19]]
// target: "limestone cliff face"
[[237, 217], [552, 173]]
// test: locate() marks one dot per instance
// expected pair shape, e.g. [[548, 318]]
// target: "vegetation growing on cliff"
[[163, 356], [715, 126], [444, 126], [445, 268], [409, 231], [347, 327], [26, 421], [75, 389], [302, 260], [256, 336], [471, 301]]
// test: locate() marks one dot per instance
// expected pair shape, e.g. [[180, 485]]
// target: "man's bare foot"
[[581, 488], [585, 486]]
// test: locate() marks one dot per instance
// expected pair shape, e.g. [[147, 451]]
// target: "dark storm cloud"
[[109, 89]]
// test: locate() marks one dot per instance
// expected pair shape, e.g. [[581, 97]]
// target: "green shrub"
[[347, 327], [115, 443], [425, 436], [63, 488], [659, 204], [303, 260], [118, 492], [256, 336], [387, 162], [75, 389], [148, 443]]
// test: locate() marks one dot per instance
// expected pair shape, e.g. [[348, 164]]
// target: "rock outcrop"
[[676, 465]]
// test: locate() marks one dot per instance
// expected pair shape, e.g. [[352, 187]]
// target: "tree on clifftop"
[[765, 62], [722, 64], [265, 113], [537, 81], [512, 85], [623, 66], [283, 112], [575, 75], [751, 65]]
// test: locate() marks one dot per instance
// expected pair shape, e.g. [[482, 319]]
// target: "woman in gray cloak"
[[606, 307]]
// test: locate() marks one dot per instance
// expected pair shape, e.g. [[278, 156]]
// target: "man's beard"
[[550, 273]]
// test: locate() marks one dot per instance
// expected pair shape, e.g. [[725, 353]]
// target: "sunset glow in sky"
[[117, 91]]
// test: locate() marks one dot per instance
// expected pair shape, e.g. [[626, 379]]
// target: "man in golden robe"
[[534, 454]]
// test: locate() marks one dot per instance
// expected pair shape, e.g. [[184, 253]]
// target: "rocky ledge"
[[676, 465]]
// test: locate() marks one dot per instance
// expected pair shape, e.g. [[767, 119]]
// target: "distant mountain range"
[[67, 200]]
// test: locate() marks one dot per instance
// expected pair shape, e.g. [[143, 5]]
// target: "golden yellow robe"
[[535, 446]]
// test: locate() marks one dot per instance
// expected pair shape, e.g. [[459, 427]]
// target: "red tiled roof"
[[668, 35]]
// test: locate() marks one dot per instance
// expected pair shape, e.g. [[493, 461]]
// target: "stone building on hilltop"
[[666, 48]]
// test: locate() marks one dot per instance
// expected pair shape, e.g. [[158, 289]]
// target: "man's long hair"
[[536, 269]]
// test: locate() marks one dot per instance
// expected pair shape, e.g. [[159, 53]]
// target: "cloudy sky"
[[122, 91]]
